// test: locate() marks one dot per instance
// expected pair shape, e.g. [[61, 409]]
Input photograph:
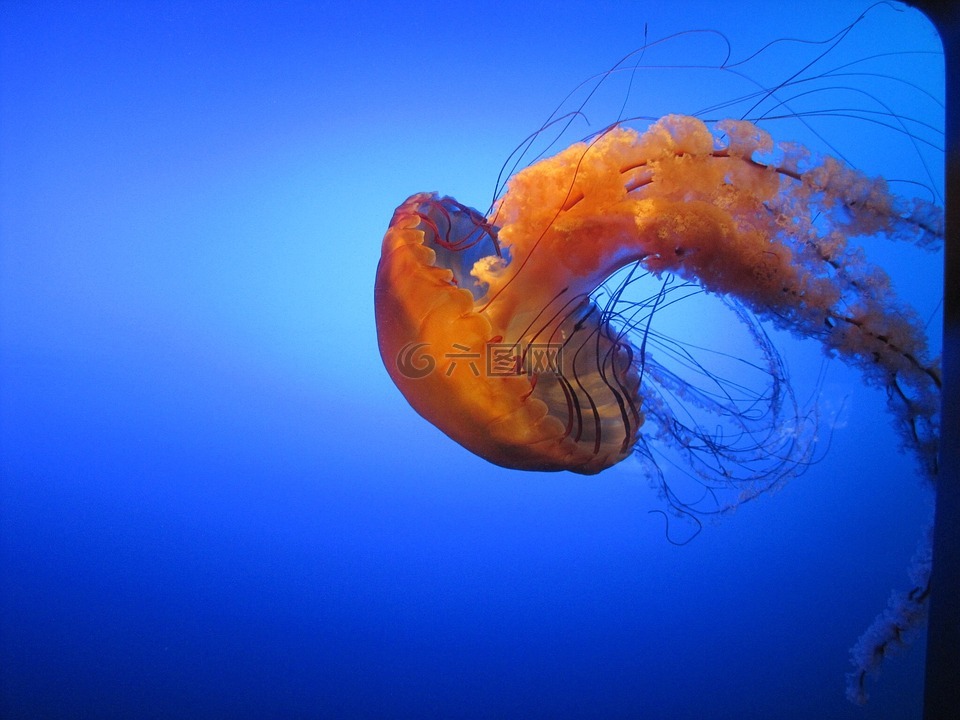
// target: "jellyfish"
[[560, 382], [517, 333]]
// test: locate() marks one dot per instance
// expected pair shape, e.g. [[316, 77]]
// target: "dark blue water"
[[214, 503]]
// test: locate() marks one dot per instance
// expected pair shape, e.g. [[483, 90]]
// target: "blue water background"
[[214, 502]]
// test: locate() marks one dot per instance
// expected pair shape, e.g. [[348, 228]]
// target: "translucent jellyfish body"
[[493, 330]]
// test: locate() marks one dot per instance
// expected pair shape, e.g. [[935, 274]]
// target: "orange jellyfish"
[[491, 328], [515, 333]]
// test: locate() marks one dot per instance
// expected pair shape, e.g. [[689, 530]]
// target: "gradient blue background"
[[214, 501]]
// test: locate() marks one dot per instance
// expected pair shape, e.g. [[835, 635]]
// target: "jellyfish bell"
[[440, 267]]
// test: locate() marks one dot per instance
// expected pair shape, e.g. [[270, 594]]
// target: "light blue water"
[[214, 501]]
